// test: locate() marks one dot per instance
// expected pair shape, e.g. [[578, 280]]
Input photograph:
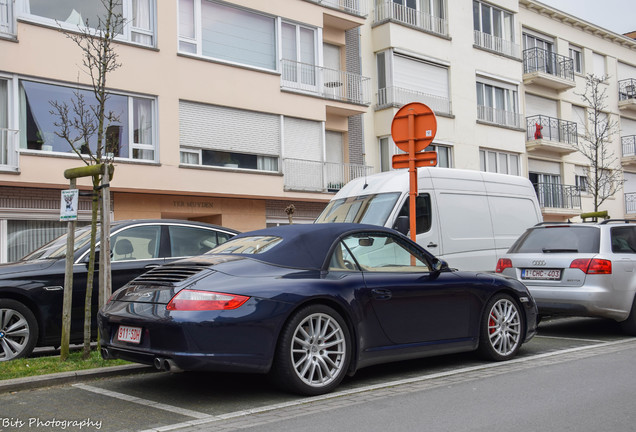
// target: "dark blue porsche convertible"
[[311, 303]]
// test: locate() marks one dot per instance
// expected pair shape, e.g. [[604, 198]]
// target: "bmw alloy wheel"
[[18, 330]]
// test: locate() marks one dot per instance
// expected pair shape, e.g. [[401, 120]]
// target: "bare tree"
[[604, 175], [83, 125]]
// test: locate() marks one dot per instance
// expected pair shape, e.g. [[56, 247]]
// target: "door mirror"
[[439, 265]]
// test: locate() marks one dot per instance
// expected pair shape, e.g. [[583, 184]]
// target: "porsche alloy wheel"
[[314, 352], [18, 330], [501, 329]]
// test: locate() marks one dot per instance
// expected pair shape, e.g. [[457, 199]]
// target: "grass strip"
[[25, 367]]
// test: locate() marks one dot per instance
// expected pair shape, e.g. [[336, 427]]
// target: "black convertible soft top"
[[303, 245]]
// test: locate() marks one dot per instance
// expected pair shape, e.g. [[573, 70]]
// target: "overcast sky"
[[615, 15]]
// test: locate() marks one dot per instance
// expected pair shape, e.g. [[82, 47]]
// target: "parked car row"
[[310, 304], [31, 290]]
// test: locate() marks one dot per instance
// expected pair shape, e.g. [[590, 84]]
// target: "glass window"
[[25, 236], [136, 243], [189, 241], [138, 16], [558, 239], [370, 209], [38, 121], [422, 212], [577, 59], [227, 33], [251, 245], [499, 162], [384, 253], [497, 104], [623, 239]]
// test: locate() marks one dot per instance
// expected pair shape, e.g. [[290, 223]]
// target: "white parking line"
[[202, 418], [149, 403], [569, 338]]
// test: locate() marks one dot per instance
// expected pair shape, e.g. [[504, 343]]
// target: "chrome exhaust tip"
[[170, 366], [158, 363]]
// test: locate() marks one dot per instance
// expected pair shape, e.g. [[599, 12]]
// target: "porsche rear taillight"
[[592, 265], [194, 300]]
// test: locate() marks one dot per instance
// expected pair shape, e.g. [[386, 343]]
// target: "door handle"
[[431, 244], [381, 294]]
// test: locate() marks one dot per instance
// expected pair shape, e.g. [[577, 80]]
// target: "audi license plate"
[[541, 274], [129, 334]]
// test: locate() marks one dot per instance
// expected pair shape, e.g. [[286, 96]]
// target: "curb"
[[18, 384]]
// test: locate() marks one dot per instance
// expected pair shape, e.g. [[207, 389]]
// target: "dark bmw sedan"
[[31, 290], [311, 303]]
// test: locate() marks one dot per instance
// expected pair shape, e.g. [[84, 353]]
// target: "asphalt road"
[[577, 374]]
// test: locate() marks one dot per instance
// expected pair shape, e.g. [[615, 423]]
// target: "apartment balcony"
[[549, 134], [627, 94], [497, 117], [496, 44], [316, 176], [547, 69], [389, 11], [330, 84], [353, 7], [9, 150], [396, 97], [630, 203], [558, 200], [628, 156]]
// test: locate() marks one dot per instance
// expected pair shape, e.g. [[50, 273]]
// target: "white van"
[[468, 218]]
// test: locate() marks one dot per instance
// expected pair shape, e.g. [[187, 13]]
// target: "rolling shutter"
[[303, 139], [228, 129], [420, 76]]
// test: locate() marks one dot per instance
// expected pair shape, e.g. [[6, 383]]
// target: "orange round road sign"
[[414, 121]]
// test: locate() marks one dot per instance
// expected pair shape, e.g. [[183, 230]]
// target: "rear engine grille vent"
[[170, 274]]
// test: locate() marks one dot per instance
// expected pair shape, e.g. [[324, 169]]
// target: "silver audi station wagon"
[[578, 269]]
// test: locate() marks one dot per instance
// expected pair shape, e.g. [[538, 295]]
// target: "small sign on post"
[[68, 205], [413, 128]]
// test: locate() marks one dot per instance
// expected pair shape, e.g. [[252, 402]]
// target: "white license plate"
[[129, 334], [541, 274]]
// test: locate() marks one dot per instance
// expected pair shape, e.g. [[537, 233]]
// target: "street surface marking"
[[210, 418], [569, 338], [149, 403]]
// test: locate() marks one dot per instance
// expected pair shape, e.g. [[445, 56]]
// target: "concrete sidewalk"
[[18, 384]]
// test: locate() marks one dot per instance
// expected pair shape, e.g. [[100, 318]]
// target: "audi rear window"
[[558, 239]]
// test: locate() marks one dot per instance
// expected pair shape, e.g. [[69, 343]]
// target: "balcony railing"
[[629, 145], [354, 7], [499, 117], [626, 89], [398, 97], [541, 127], [558, 196], [630, 202], [389, 10], [328, 83], [9, 151], [541, 60], [497, 44], [316, 176]]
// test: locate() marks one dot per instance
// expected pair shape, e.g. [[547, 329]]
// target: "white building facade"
[[229, 111]]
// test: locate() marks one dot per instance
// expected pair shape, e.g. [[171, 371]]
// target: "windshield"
[[57, 248], [558, 239], [369, 209]]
